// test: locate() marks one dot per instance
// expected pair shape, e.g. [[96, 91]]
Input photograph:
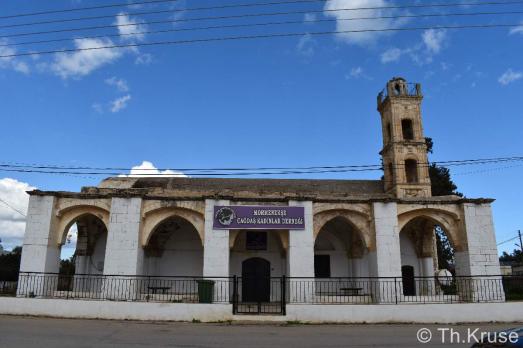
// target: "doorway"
[[256, 280], [409, 284]]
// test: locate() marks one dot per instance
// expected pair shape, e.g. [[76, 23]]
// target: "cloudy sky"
[[296, 101]]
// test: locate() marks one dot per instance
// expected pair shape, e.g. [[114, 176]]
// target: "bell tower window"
[[411, 171], [407, 130]]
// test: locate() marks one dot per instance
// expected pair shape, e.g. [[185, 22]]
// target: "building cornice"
[[355, 200]]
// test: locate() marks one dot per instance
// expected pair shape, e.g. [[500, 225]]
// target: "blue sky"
[[299, 101]]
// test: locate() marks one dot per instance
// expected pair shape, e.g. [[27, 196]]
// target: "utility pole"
[[520, 241]]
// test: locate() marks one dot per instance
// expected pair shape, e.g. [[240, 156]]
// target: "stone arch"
[[448, 220], [68, 216], [358, 220], [155, 217], [282, 238]]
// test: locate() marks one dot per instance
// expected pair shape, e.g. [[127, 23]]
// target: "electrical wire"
[[255, 37], [12, 208], [259, 25], [254, 15]]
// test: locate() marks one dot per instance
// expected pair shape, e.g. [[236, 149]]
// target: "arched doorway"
[[425, 248], [82, 255], [256, 280], [339, 250], [174, 249]]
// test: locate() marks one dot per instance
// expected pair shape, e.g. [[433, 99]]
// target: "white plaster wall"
[[362, 314], [482, 252], [328, 244], [124, 254], [116, 310], [216, 244], [182, 256], [407, 313], [97, 259], [387, 262], [301, 245], [273, 254], [408, 255], [39, 254]]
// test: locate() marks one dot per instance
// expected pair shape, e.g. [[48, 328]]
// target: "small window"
[[389, 132], [406, 128], [411, 171], [391, 172], [256, 240], [322, 266]]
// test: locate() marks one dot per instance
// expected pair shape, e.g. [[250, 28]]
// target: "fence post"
[[283, 295], [395, 290], [234, 294]]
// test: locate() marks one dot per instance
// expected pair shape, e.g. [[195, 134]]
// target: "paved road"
[[44, 332]]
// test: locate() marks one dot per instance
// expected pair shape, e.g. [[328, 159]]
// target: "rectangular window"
[[256, 240], [322, 266], [408, 131]]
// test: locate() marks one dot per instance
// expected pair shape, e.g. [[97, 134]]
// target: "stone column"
[[216, 253], [300, 257], [481, 257], [386, 260], [428, 286], [40, 253], [123, 253]]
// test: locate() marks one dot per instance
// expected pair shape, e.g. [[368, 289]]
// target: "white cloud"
[[98, 108], [130, 28], [147, 169], [306, 45], [120, 84], [433, 40], [432, 43], [81, 63], [310, 17], [510, 76], [517, 30], [391, 55], [332, 8], [120, 103], [12, 224], [144, 59], [11, 62]]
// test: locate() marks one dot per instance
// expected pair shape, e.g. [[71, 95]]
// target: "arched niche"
[[68, 216], [154, 218], [448, 220], [358, 222]]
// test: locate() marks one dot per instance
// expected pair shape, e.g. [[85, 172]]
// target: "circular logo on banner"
[[225, 216]]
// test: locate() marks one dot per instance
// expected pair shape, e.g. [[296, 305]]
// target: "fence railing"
[[271, 290]]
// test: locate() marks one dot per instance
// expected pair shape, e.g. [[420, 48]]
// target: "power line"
[[12, 208], [508, 240], [28, 14], [259, 4], [254, 15], [254, 37], [261, 24], [212, 172], [375, 166]]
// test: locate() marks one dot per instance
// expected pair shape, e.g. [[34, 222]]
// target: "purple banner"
[[248, 217]]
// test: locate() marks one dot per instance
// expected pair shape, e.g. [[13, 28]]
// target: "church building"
[[346, 238]]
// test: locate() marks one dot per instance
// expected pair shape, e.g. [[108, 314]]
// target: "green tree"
[[442, 185], [10, 264], [441, 182], [516, 256], [67, 267]]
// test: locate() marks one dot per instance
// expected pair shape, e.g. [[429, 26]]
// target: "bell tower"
[[404, 152]]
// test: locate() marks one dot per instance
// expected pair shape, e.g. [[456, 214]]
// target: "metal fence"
[[252, 295]]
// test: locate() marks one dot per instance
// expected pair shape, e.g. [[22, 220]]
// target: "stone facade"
[[368, 228]]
